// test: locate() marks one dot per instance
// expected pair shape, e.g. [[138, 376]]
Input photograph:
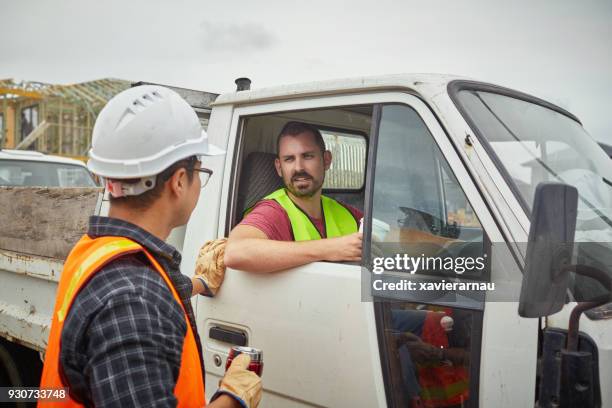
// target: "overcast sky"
[[560, 50]]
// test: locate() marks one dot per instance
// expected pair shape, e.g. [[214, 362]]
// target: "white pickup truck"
[[430, 159]]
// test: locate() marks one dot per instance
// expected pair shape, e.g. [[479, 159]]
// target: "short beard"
[[302, 193]]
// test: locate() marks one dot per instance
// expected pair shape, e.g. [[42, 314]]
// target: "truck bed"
[[38, 227]]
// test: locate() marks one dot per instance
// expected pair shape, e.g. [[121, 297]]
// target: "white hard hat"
[[144, 130]]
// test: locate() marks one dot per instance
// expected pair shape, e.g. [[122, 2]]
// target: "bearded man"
[[296, 225]]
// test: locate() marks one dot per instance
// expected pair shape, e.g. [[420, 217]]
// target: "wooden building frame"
[[54, 119]]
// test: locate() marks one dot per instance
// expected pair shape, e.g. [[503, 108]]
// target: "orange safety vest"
[[85, 259], [441, 385]]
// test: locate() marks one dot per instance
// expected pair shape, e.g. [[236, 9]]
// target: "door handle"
[[236, 337]]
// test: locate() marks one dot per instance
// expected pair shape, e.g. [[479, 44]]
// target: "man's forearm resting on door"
[[249, 249]]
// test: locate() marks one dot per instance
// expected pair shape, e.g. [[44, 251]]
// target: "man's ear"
[[327, 159], [278, 167], [179, 182]]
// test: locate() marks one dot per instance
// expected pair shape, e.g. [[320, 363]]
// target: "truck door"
[[329, 338], [318, 338]]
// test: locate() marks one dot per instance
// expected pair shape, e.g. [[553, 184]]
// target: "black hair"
[[145, 200], [295, 128]]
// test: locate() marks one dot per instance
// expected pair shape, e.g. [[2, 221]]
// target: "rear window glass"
[[347, 171], [43, 174]]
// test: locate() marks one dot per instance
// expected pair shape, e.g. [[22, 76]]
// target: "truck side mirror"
[[549, 250]]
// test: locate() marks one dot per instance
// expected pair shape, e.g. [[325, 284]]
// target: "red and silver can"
[[256, 355]]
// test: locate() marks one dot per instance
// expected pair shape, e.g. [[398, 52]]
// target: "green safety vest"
[[338, 220]]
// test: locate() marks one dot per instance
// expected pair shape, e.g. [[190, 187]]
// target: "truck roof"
[[426, 85], [30, 155], [422, 83]]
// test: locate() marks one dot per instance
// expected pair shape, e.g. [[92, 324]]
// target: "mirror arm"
[[601, 277]]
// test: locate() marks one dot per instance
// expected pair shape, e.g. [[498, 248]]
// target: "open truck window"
[[345, 131]]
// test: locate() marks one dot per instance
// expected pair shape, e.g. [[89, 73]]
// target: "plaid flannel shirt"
[[123, 336]]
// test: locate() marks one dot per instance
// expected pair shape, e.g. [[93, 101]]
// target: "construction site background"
[[53, 119]]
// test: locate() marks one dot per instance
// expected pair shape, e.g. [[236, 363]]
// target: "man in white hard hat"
[[123, 330]]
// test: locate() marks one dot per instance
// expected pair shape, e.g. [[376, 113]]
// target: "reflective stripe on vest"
[[338, 220], [86, 258], [442, 385]]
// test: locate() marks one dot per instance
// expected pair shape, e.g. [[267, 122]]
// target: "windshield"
[[536, 144], [43, 174]]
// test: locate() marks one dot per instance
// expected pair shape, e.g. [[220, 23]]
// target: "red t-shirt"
[[269, 217]]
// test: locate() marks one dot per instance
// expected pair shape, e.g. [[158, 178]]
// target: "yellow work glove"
[[210, 267], [241, 384]]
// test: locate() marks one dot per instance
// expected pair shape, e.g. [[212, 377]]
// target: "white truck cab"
[[440, 166]]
